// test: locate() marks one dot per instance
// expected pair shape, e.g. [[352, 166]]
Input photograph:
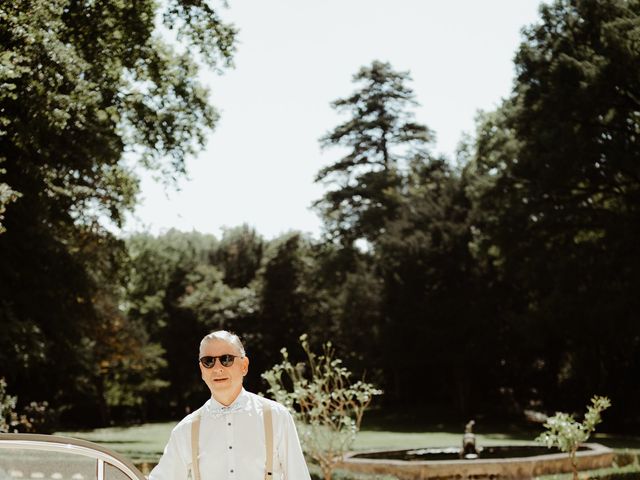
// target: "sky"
[[295, 57]]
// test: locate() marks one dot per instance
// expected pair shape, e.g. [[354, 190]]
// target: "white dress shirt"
[[232, 444]]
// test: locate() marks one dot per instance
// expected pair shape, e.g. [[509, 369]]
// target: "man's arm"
[[172, 465], [294, 465]]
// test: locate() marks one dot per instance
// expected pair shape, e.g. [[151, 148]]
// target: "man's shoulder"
[[264, 401], [187, 421]]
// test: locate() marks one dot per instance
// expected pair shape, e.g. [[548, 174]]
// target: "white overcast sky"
[[294, 57]]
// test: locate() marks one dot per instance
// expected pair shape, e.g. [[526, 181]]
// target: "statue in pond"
[[469, 450]]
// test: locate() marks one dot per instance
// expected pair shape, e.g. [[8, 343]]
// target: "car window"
[[25, 456]]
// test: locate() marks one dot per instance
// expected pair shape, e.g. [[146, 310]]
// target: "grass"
[[145, 443], [381, 430], [140, 443], [630, 472]]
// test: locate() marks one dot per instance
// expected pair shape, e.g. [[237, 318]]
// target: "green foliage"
[[156, 262], [566, 433], [326, 404], [167, 292], [427, 268], [214, 303], [356, 307], [36, 418], [126, 363], [287, 299], [517, 271], [555, 190], [239, 255], [88, 89], [8, 415], [7, 195]]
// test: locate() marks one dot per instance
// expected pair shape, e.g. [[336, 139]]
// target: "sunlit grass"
[[140, 443], [630, 472], [145, 443]]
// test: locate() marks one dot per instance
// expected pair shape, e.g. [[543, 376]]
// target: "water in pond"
[[454, 453]]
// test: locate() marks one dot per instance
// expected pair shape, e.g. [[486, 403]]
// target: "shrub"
[[37, 416], [328, 408], [8, 415], [566, 433]]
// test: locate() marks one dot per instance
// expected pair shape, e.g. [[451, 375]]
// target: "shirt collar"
[[241, 403]]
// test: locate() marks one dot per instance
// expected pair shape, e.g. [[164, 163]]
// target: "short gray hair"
[[225, 336]]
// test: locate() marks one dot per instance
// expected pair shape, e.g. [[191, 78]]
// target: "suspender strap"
[[268, 439], [195, 445]]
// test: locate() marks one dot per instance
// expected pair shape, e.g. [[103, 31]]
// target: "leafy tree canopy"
[[556, 188], [87, 88]]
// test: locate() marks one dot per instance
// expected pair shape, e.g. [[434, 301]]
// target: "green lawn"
[[140, 443], [144, 443]]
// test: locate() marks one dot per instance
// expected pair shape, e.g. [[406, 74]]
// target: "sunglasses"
[[225, 360]]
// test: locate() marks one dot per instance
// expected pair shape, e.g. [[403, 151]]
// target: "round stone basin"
[[507, 461]]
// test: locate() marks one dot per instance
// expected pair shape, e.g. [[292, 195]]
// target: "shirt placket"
[[230, 440]]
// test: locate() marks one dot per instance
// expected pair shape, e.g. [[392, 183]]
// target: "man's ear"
[[245, 366]]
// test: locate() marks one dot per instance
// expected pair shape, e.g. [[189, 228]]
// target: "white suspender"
[[195, 436], [268, 438]]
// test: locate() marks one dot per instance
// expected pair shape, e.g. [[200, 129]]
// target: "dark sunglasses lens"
[[226, 360], [208, 362]]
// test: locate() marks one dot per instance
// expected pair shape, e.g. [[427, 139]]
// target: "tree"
[[7, 195], [87, 87], [154, 262], [215, 304], [239, 255], [380, 135], [560, 195], [163, 272], [285, 302], [356, 305], [125, 364], [435, 296]]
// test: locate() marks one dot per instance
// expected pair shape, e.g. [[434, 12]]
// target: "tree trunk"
[[103, 407], [574, 464]]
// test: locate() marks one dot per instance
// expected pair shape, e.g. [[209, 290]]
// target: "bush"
[[566, 433], [327, 406], [36, 418], [8, 415]]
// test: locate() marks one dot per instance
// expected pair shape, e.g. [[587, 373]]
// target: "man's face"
[[225, 383]]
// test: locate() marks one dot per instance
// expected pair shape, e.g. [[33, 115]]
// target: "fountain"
[[471, 461], [469, 450]]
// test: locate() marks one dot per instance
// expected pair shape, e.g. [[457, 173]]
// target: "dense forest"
[[502, 281]]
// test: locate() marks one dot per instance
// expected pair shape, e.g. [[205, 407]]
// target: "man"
[[232, 432]]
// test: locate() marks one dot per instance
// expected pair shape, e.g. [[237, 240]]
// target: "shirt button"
[[230, 447], [231, 470], [229, 423]]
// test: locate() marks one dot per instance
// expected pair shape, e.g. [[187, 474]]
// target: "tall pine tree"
[[382, 136]]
